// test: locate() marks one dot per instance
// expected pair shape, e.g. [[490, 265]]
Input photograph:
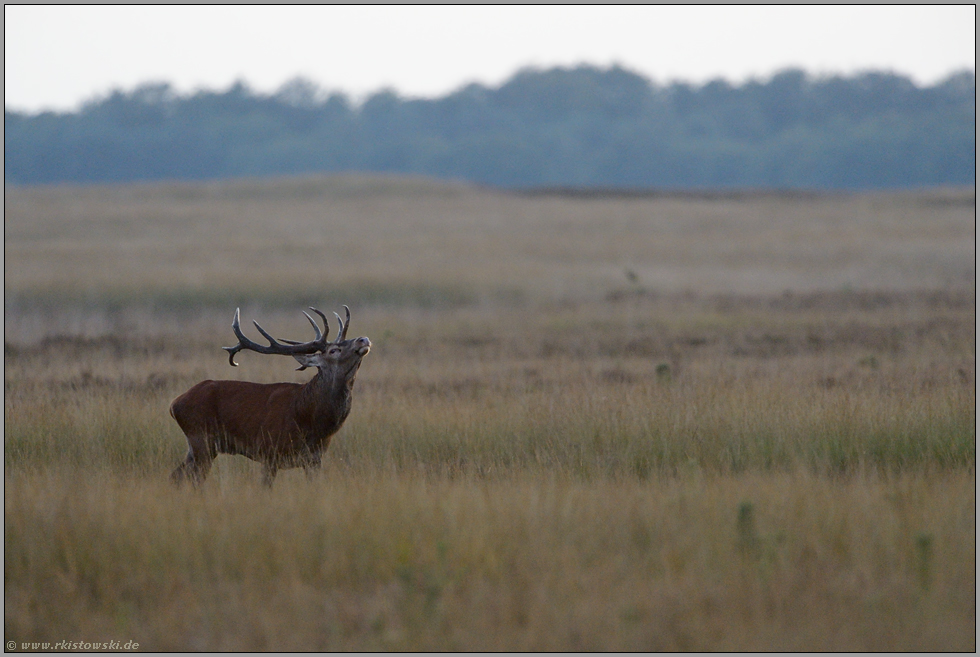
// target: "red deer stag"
[[280, 425]]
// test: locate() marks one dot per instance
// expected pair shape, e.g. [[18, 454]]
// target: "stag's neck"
[[326, 401]]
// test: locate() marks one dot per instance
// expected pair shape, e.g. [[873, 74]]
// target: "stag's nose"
[[363, 346]]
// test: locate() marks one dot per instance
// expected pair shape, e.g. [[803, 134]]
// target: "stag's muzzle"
[[363, 346]]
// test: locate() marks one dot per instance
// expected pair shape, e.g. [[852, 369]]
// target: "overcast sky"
[[57, 57]]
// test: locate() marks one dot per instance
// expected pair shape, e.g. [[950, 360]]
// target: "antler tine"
[[343, 325], [316, 329], [319, 336], [272, 341], [326, 324], [237, 328]]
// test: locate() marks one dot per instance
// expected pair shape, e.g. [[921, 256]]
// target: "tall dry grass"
[[381, 560], [583, 425]]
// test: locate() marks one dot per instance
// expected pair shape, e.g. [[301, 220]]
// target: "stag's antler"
[[275, 347], [343, 325]]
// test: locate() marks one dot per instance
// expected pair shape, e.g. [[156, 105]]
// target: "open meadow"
[[735, 421]]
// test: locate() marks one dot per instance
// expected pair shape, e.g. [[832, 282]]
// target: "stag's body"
[[281, 425]]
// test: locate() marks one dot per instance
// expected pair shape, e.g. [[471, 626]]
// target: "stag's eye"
[[334, 352]]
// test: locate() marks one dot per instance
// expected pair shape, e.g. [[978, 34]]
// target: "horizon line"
[[324, 92]]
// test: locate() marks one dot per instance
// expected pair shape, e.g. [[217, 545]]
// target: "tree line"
[[581, 126]]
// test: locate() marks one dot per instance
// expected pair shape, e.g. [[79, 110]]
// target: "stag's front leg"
[[312, 466]]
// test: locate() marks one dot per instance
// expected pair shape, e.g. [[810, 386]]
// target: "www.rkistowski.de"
[[72, 645]]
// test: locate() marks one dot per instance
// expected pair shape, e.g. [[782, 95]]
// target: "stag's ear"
[[309, 360]]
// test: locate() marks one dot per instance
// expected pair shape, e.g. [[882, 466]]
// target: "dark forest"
[[569, 127]]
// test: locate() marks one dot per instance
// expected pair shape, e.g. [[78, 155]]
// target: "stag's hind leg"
[[194, 469], [197, 463]]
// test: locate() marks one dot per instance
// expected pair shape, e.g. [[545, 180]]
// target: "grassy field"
[[673, 422]]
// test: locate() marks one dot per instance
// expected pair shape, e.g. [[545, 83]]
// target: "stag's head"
[[341, 356]]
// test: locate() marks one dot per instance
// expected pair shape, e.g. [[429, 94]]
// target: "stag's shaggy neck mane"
[[326, 399]]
